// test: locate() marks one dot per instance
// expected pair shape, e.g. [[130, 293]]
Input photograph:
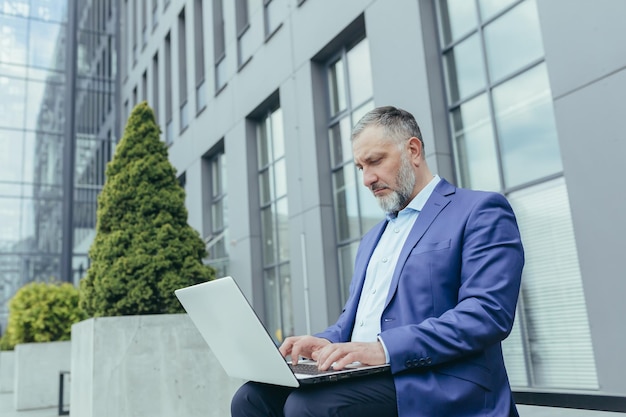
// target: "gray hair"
[[399, 125]]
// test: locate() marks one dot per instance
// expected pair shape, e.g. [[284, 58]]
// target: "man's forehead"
[[368, 147]]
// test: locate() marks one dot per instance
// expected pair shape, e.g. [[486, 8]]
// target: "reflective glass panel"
[[337, 87], [265, 186], [458, 17], [52, 10], [489, 8], [273, 315], [217, 211], [264, 145], [560, 351], [11, 155], [44, 37], [277, 135], [340, 144], [216, 176], [16, 7], [513, 40], [269, 241], [465, 69], [280, 178], [282, 226], [14, 46], [286, 302], [346, 210], [12, 71], [371, 213], [12, 105], [514, 356], [475, 145], [18, 219], [526, 127], [360, 73], [346, 254], [356, 116]]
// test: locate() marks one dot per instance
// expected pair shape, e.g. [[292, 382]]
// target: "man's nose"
[[369, 177]]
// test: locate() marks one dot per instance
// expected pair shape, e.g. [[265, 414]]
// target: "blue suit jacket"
[[451, 302]]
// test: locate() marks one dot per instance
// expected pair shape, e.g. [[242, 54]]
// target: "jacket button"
[[422, 362], [429, 361], [408, 364]]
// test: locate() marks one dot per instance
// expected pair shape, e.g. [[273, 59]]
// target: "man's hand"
[[305, 346], [338, 355]]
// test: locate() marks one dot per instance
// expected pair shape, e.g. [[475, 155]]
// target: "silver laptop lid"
[[234, 333]]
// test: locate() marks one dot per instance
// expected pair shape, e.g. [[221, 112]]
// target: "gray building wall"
[[585, 53], [585, 56]]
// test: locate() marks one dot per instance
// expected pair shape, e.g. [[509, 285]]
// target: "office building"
[[58, 73], [256, 100]]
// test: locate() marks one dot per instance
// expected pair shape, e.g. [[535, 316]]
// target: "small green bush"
[[144, 248], [42, 312]]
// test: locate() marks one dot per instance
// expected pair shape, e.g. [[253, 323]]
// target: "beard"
[[401, 195]]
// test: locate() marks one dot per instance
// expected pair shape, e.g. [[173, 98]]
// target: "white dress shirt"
[[382, 265]]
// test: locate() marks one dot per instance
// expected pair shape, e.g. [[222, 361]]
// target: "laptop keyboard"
[[308, 369]]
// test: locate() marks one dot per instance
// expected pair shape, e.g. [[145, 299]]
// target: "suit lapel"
[[437, 201]]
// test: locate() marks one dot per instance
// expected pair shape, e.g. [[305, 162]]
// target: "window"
[[350, 97], [182, 71], [155, 13], [274, 224], [125, 23], [134, 28], [144, 85], [144, 24], [198, 29], [219, 45], [155, 85], [502, 122], [274, 12], [169, 132], [244, 38], [216, 236]]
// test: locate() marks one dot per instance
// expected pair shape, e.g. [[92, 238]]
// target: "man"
[[433, 294]]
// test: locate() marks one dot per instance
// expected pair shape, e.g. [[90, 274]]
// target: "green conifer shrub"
[[144, 248], [42, 312]]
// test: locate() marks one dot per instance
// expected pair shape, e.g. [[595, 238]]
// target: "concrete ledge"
[[7, 370], [153, 365], [37, 367]]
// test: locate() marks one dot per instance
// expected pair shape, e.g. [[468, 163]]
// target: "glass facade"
[[272, 176], [33, 82], [36, 83], [350, 96], [505, 140], [217, 237], [95, 124]]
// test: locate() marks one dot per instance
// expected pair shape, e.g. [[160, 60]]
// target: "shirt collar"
[[419, 201]]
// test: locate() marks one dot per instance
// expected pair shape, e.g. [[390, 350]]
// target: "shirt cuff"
[[384, 348]]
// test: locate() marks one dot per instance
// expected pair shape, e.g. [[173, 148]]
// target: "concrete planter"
[[153, 365], [37, 368], [7, 370]]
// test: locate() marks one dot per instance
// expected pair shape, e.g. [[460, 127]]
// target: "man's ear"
[[415, 148]]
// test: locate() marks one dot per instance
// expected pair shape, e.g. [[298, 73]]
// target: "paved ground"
[[7, 410]]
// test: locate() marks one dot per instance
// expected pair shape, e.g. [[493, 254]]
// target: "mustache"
[[378, 186]]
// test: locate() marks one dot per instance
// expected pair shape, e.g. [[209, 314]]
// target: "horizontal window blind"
[[555, 329]]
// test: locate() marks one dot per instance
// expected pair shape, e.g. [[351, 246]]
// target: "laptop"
[[243, 346]]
